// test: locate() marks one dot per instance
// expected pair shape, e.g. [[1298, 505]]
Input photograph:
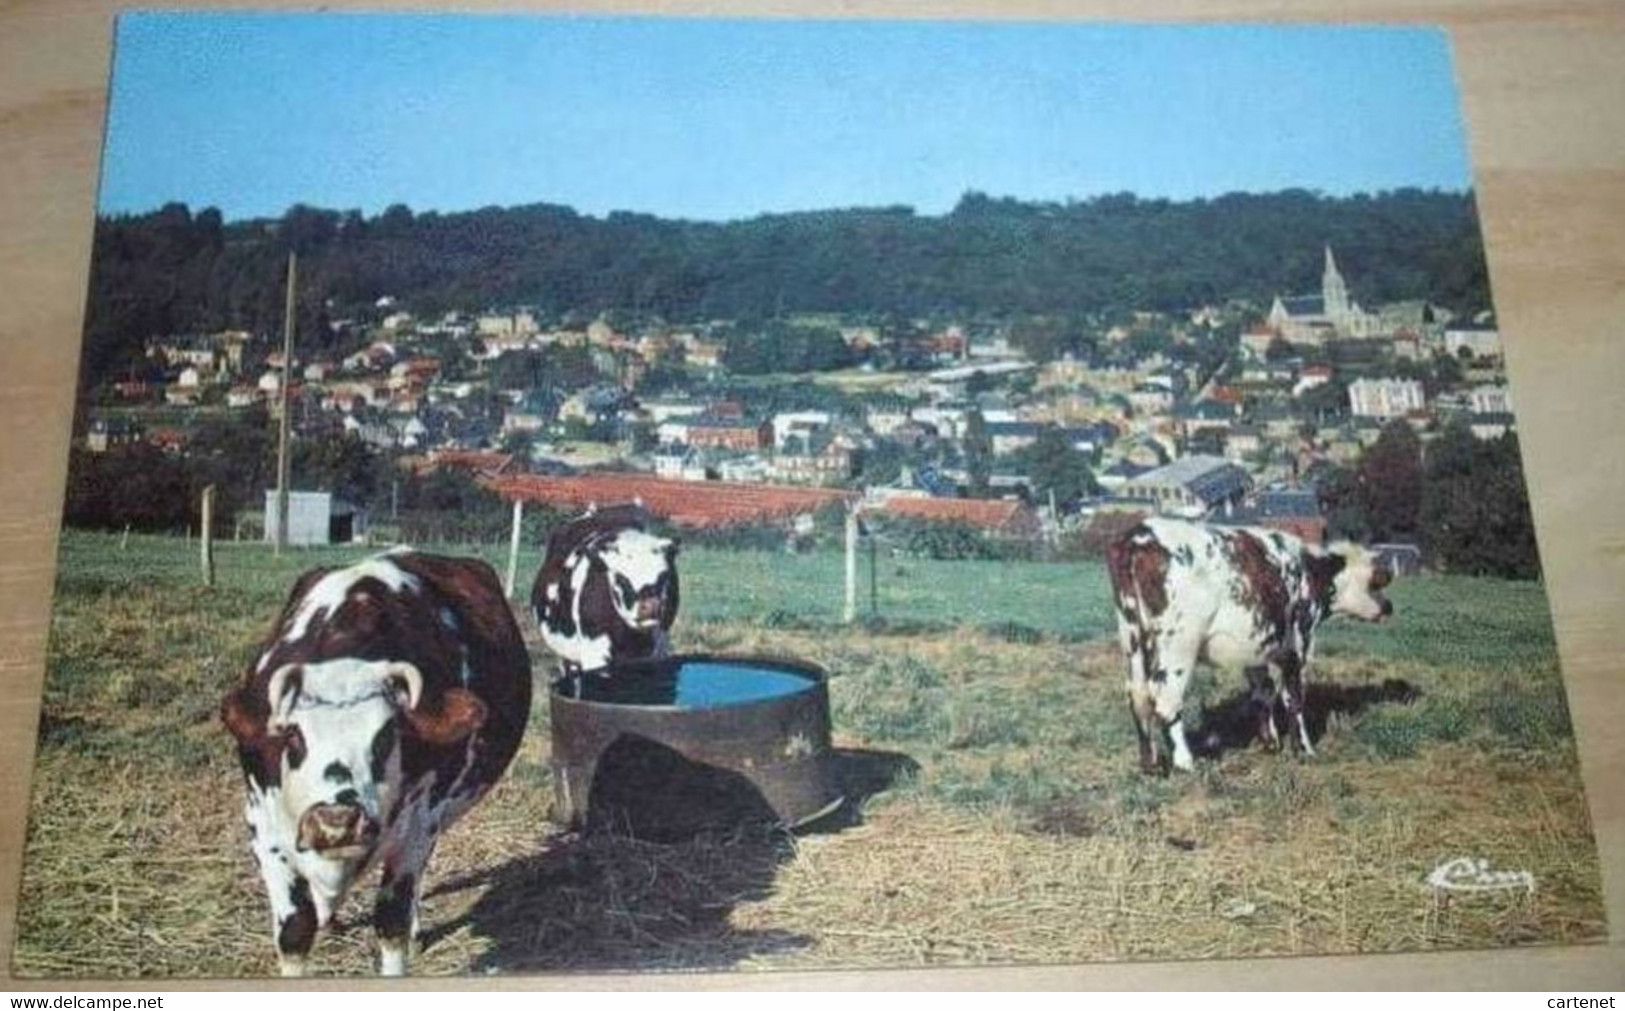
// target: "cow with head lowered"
[[389, 697], [1235, 598], [607, 591]]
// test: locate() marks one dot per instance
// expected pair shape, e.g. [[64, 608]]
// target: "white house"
[[1491, 426], [664, 409], [743, 470], [1490, 399], [1148, 399], [494, 326], [1310, 377], [886, 420], [375, 355], [1479, 341], [680, 465], [948, 421], [787, 423], [413, 433], [1385, 398], [673, 432], [442, 391]]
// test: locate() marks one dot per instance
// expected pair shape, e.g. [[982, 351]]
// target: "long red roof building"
[[697, 504]]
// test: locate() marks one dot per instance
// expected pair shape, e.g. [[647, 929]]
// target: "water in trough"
[[697, 684]]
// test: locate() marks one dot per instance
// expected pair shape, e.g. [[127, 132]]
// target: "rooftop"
[[1209, 478], [685, 503], [712, 421], [989, 514], [1125, 469], [1286, 503], [1013, 428], [1304, 305]]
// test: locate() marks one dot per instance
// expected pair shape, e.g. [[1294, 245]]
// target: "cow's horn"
[[283, 688], [411, 681]]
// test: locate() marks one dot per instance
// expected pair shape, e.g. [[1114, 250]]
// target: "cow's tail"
[[1135, 623], [1139, 593], [1122, 558], [1148, 638]]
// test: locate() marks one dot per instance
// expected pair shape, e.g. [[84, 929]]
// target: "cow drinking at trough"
[[607, 590], [1234, 598], [388, 699]]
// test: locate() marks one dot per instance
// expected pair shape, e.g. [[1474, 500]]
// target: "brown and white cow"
[[1234, 598], [387, 700], [607, 590]]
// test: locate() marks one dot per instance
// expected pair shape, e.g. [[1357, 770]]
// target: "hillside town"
[[1225, 411]]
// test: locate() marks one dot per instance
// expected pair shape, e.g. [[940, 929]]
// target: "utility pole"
[[281, 519]]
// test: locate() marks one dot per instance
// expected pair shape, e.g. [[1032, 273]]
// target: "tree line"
[[1461, 498], [174, 271]]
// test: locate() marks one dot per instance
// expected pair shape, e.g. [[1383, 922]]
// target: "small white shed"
[[316, 517]]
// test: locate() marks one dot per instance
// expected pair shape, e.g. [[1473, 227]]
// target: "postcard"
[[563, 495]]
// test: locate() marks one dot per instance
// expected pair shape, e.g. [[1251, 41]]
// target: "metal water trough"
[[666, 749]]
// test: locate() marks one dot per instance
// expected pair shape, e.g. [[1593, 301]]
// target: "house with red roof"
[[998, 517]]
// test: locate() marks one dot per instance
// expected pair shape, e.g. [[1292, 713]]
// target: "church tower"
[[1335, 295]]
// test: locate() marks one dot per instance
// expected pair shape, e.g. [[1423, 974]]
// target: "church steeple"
[[1334, 293]]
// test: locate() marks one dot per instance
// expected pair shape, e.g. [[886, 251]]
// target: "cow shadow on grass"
[[1232, 723], [631, 892]]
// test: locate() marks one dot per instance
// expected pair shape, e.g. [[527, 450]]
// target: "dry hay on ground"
[[1024, 836]]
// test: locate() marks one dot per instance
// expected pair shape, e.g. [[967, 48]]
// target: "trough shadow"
[[860, 773], [606, 902], [651, 882], [1232, 724], [649, 791]]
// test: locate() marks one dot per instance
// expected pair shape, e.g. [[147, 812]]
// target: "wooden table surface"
[[1543, 91]]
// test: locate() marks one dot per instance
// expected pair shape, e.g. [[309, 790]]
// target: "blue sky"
[[719, 120]]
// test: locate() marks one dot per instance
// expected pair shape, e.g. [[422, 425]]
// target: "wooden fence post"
[[874, 580], [513, 544], [850, 614], [208, 536]]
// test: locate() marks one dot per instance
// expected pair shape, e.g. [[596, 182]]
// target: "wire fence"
[[774, 588]]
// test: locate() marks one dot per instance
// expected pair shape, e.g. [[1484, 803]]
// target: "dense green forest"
[[174, 270]]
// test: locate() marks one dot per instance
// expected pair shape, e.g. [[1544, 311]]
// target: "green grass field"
[[1015, 826]]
